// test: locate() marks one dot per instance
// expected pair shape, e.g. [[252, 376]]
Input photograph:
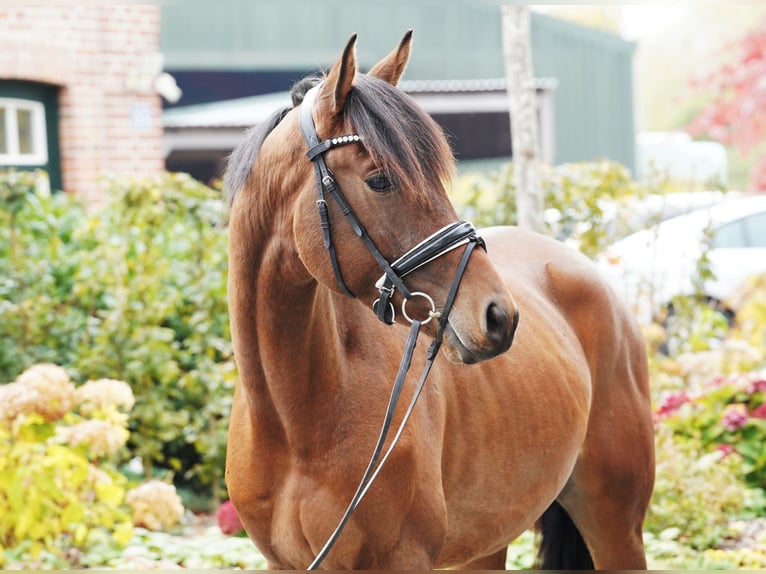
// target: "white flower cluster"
[[155, 505], [731, 357], [700, 364], [102, 393], [97, 475], [44, 389], [100, 437], [47, 390]]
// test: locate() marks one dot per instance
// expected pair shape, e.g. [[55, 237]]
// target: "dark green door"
[[29, 136]]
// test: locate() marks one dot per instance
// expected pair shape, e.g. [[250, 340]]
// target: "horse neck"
[[283, 323]]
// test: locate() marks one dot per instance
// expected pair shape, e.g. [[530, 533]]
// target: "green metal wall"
[[450, 38], [453, 40], [594, 99]]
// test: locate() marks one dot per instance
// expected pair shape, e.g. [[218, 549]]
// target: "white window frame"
[[39, 155]]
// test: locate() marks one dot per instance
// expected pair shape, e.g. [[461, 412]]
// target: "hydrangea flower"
[[44, 389], [17, 400], [99, 437], [734, 417], [759, 412], [155, 505], [725, 449], [672, 402], [95, 395], [228, 519], [757, 386]]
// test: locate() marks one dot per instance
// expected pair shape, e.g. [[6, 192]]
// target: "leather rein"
[[443, 241]]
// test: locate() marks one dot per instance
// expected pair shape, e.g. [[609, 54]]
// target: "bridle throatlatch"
[[443, 241]]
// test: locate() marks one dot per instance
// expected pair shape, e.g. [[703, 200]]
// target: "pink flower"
[[759, 385], [228, 520], [759, 412], [672, 403], [734, 417], [716, 381], [726, 449]]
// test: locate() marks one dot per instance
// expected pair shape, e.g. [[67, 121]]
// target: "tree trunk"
[[522, 104]]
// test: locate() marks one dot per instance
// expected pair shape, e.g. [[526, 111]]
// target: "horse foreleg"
[[494, 561]]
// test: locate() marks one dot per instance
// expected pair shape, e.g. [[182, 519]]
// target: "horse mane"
[[402, 139], [241, 160]]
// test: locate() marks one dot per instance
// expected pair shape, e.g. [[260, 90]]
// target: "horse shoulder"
[[566, 276], [571, 282]]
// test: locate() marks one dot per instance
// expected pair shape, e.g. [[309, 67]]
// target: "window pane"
[[731, 235], [24, 121], [3, 132], [756, 229]]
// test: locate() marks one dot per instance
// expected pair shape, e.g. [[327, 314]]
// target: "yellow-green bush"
[[57, 483], [750, 302], [134, 290], [697, 493]]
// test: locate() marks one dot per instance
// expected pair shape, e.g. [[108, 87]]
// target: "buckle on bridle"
[[383, 306]]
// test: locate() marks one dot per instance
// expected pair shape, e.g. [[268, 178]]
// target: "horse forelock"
[[400, 137]]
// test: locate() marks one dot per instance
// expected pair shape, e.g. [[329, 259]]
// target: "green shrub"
[[697, 493], [135, 290], [41, 320], [165, 327], [583, 201]]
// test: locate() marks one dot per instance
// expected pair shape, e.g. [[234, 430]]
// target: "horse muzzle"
[[499, 328]]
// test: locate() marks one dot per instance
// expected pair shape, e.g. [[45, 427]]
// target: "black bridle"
[[446, 239], [443, 241]]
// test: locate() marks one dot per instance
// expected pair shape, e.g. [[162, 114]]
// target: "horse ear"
[[340, 80], [392, 66]]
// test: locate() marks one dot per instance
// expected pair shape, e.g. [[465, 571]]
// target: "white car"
[[652, 266]]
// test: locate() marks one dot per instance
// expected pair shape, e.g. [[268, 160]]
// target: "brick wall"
[[104, 58]]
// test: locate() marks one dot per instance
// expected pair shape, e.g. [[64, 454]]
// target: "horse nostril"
[[501, 327]]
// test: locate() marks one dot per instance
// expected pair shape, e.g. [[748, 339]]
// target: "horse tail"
[[561, 545]]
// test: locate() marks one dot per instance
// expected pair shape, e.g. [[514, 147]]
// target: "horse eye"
[[379, 183]]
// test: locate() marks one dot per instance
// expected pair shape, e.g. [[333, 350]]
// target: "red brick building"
[[77, 92]]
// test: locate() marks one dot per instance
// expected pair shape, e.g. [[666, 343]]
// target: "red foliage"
[[737, 115]]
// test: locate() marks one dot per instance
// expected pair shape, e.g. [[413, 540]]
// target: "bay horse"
[[547, 424]]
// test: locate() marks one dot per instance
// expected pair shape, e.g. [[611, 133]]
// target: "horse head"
[[390, 164]]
